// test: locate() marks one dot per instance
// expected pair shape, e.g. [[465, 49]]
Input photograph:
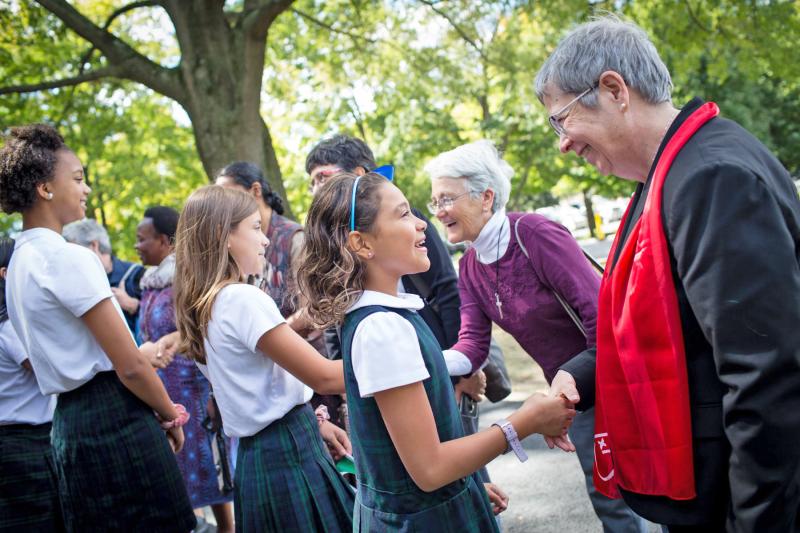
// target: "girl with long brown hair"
[[415, 468], [259, 368]]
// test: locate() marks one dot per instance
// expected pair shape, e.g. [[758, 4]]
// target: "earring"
[[622, 106], [49, 196], [369, 255]]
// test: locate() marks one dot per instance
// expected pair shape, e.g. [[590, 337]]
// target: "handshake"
[[563, 386]]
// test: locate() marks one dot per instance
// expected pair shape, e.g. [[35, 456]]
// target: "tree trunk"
[[221, 70]]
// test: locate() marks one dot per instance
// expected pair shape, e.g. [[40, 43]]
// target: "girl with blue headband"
[[415, 468]]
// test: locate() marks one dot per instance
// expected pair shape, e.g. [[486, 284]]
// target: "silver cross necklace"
[[497, 301]]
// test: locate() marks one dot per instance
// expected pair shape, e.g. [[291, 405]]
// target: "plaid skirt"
[[467, 511], [115, 468], [28, 486], [286, 481]]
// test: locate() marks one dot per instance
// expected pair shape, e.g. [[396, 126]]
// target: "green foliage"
[[134, 152], [412, 78]]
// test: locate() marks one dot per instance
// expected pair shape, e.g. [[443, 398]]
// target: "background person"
[[28, 484]]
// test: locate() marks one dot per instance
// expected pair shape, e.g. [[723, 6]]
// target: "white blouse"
[[21, 402], [251, 390], [51, 285], [385, 351]]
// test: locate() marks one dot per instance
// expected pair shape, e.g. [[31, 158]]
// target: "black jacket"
[[438, 287], [732, 220]]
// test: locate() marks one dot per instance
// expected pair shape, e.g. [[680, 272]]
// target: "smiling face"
[[68, 187], [598, 135], [151, 246], [467, 215], [247, 245], [397, 237]]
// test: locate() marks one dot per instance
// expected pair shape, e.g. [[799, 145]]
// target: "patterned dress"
[[185, 385], [387, 498], [278, 280]]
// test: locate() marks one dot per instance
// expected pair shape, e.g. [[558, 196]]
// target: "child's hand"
[[497, 497], [550, 416], [175, 437], [336, 439]]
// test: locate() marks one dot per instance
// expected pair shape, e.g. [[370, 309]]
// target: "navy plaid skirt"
[[115, 468], [28, 486], [286, 481]]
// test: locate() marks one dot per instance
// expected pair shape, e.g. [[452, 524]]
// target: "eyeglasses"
[[319, 179], [557, 118], [445, 202]]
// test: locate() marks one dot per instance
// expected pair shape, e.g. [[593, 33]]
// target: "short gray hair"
[[480, 164], [86, 231], [606, 43]]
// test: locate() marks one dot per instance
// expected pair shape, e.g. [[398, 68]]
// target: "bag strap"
[[127, 273], [567, 308]]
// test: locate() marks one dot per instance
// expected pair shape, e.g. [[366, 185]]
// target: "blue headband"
[[387, 171], [353, 205]]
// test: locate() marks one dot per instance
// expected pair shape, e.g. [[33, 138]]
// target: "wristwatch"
[[512, 439]]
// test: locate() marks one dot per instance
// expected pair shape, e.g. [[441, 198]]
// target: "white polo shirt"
[[51, 284], [21, 401], [251, 390], [385, 351]]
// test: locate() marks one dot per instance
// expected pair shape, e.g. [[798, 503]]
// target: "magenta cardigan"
[[531, 314]]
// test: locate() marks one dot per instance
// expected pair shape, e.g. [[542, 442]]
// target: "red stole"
[[643, 431]]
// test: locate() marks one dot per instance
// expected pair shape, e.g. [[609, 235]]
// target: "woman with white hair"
[[524, 273]]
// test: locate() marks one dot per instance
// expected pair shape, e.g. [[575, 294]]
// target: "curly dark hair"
[[27, 159]]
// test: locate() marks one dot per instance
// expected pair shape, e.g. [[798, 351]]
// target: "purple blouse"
[[531, 314]]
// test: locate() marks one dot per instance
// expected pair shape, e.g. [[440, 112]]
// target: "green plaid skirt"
[[286, 481], [116, 470], [28, 486]]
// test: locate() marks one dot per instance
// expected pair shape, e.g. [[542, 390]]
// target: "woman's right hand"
[[545, 415], [175, 437]]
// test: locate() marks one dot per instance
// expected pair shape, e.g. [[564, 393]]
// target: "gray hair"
[[481, 165], [86, 231], [605, 43]]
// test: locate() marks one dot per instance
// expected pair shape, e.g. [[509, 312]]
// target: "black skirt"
[[115, 468], [28, 486]]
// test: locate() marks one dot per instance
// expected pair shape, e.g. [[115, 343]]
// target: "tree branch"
[[332, 29], [107, 72], [131, 64], [456, 27], [113, 16], [259, 15]]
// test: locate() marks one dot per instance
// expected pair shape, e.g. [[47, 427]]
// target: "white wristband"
[[512, 439]]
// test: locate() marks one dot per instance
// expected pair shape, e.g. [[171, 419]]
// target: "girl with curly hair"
[[115, 468], [415, 468]]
